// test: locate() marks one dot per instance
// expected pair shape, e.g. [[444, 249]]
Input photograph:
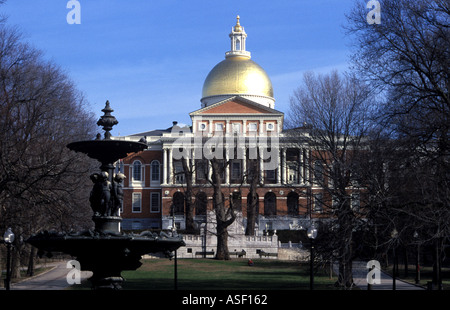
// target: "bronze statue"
[[106, 193], [117, 194], [95, 197]]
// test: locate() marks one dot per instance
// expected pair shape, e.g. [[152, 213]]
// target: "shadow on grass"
[[226, 284]]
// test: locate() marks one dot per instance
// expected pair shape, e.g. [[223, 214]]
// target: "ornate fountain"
[[105, 250]]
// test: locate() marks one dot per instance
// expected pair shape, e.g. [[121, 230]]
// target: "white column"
[[170, 166], [261, 167], [284, 168], [194, 178], [279, 167], [307, 166], [164, 166], [302, 174], [244, 164], [227, 168], [209, 166]]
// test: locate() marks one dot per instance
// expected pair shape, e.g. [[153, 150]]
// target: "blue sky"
[[150, 58]]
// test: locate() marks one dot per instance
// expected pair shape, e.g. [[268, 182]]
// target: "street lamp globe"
[[312, 232], [394, 234], [8, 237]]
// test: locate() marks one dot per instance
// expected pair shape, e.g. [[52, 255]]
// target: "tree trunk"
[[405, 263], [345, 278], [187, 168], [224, 217], [30, 269], [345, 219], [15, 262], [437, 281], [253, 172], [222, 242]]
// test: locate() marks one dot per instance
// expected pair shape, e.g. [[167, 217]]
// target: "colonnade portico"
[[286, 171]]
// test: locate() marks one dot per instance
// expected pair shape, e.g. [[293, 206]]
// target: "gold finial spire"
[[238, 27]]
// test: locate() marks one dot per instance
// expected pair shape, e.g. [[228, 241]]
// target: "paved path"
[[359, 278], [54, 279]]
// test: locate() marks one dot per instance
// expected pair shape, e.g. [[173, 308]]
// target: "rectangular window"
[[292, 173], [137, 171], [318, 202], [356, 202], [270, 175], [236, 170], [155, 171], [154, 203], [179, 172], [252, 126], [318, 173], [219, 127], [136, 203], [119, 168], [201, 169], [236, 128]]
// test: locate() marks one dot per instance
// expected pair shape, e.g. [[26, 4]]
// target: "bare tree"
[[330, 113], [225, 215], [188, 172], [210, 168], [406, 58], [42, 183], [253, 177]]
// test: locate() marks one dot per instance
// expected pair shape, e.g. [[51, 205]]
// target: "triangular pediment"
[[236, 105]]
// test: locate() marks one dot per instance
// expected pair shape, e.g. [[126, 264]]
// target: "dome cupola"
[[238, 75]]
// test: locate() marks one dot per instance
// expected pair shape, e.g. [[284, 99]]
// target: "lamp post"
[[394, 235], [175, 265], [416, 236], [312, 234], [8, 238]]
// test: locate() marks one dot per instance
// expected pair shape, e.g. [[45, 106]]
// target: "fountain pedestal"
[[107, 224]]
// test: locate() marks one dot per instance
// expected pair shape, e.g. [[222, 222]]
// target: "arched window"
[[237, 201], [119, 166], [137, 171], [178, 204], [270, 204], [201, 203], [292, 203], [155, 171], [238, 45]]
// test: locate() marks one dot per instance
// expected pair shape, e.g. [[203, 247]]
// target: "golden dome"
[[237, 75]]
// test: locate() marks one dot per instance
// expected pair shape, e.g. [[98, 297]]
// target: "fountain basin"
[[106, 255], [107, 151]]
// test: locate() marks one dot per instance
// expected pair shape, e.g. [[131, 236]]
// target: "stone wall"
[[198, 246], [260, 246], [293, 254]]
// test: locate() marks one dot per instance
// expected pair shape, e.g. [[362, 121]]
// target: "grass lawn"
[[210, 274]]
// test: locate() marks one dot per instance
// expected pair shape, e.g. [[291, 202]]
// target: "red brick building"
[[237, 120]]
